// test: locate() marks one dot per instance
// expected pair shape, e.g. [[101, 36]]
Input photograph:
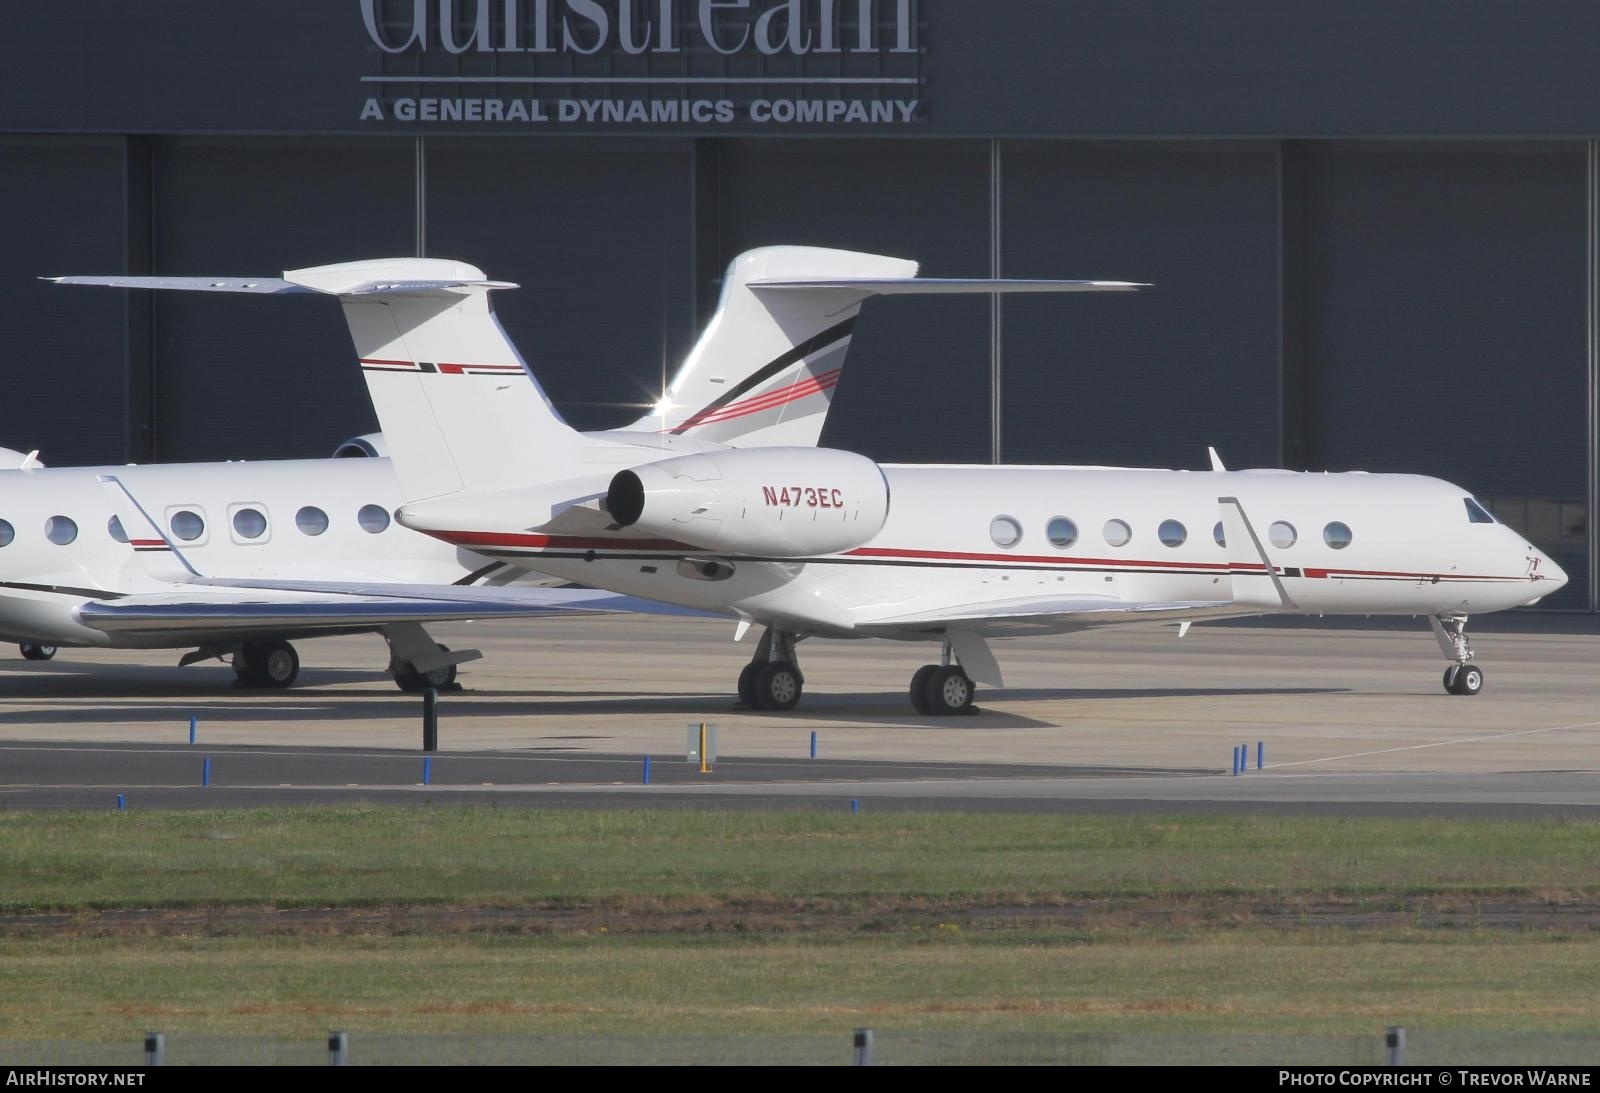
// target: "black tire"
[[948, 691], [32, 651], [1469, 680], [919, 689], [1450, 674], [276, 664], [778, 686], [747, 685]]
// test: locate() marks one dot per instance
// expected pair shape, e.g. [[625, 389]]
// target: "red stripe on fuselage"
[[555, 542], [568, 542]]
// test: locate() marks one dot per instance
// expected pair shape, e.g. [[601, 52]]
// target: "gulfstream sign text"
[[587, 27], [644, 63]]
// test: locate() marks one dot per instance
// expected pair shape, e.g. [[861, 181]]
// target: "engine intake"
[[766, 502]]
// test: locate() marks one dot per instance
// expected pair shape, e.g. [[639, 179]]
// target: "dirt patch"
[[779, 917]]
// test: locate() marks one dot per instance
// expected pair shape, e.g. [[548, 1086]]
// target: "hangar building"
[[1371, 227]]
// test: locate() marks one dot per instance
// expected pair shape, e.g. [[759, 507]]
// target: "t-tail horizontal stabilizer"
[[160, 560], [1256, 583]]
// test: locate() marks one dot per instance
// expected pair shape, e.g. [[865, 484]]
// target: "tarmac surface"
[[1352, 717]]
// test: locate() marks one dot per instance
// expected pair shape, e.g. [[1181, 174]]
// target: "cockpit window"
[[1477, 513]]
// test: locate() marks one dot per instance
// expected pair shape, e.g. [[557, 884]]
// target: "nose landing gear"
[[1462, 677]]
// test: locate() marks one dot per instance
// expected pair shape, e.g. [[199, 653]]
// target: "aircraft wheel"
[[747, 685], [278, 665], [948, 691], [919, 688], [778, 685], [1463, 679], [32, 651], [272, 664], [414, 682]]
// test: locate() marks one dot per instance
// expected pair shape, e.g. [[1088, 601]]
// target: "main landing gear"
[[1462, 677], [772, 680], [272, 664], [34, 651], [411, 681], [418, 663], [939, 690]]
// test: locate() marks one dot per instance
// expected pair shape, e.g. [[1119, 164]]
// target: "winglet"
[[1216, 460], [1248, 587], [145, 537]]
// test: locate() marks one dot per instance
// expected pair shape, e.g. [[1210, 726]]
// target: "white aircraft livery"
[[811, 542], [234, 559]]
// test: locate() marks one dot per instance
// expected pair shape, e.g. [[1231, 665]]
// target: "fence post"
[[155, 1049], [1394, 1038], [430, 720], [863, 1047], [338, 1048]]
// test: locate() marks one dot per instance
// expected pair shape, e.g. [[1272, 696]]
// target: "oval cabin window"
[[1061, 532], [1005, 531]]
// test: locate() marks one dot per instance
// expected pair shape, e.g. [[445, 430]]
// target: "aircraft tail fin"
[[766, 366], [458, 406], [764, 369]]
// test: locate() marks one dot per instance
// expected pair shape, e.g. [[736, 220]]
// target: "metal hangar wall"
[[1372, 232]]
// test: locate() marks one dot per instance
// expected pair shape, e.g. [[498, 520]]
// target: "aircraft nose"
[[1555, 578]]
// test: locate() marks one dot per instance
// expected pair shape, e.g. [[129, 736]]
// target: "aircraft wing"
[[504, 600], [221, 608], [1044, 615]]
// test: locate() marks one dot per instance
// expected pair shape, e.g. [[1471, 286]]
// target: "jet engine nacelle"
[[370, 446], [767, 502]]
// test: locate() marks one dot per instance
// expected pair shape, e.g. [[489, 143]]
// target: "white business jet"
[[238, 559], [812, 542]]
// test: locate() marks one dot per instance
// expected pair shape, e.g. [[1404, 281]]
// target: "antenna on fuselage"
[[1216, 460]]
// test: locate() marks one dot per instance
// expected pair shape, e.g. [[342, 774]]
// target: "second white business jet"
[[812, 542]]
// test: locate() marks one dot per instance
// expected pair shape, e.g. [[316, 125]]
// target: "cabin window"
[[249, 523], [60, 530], [373, 518], [1061, 532], [1172, 533], [1005, 531], [7, 533], [1282, 534], [1117, 532], [114, 529], [1337, 535], [311, 520], [187, 525], [1216, 533], [1476, 513]]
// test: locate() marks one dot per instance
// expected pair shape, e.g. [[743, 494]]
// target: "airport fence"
[[862, 1047]]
